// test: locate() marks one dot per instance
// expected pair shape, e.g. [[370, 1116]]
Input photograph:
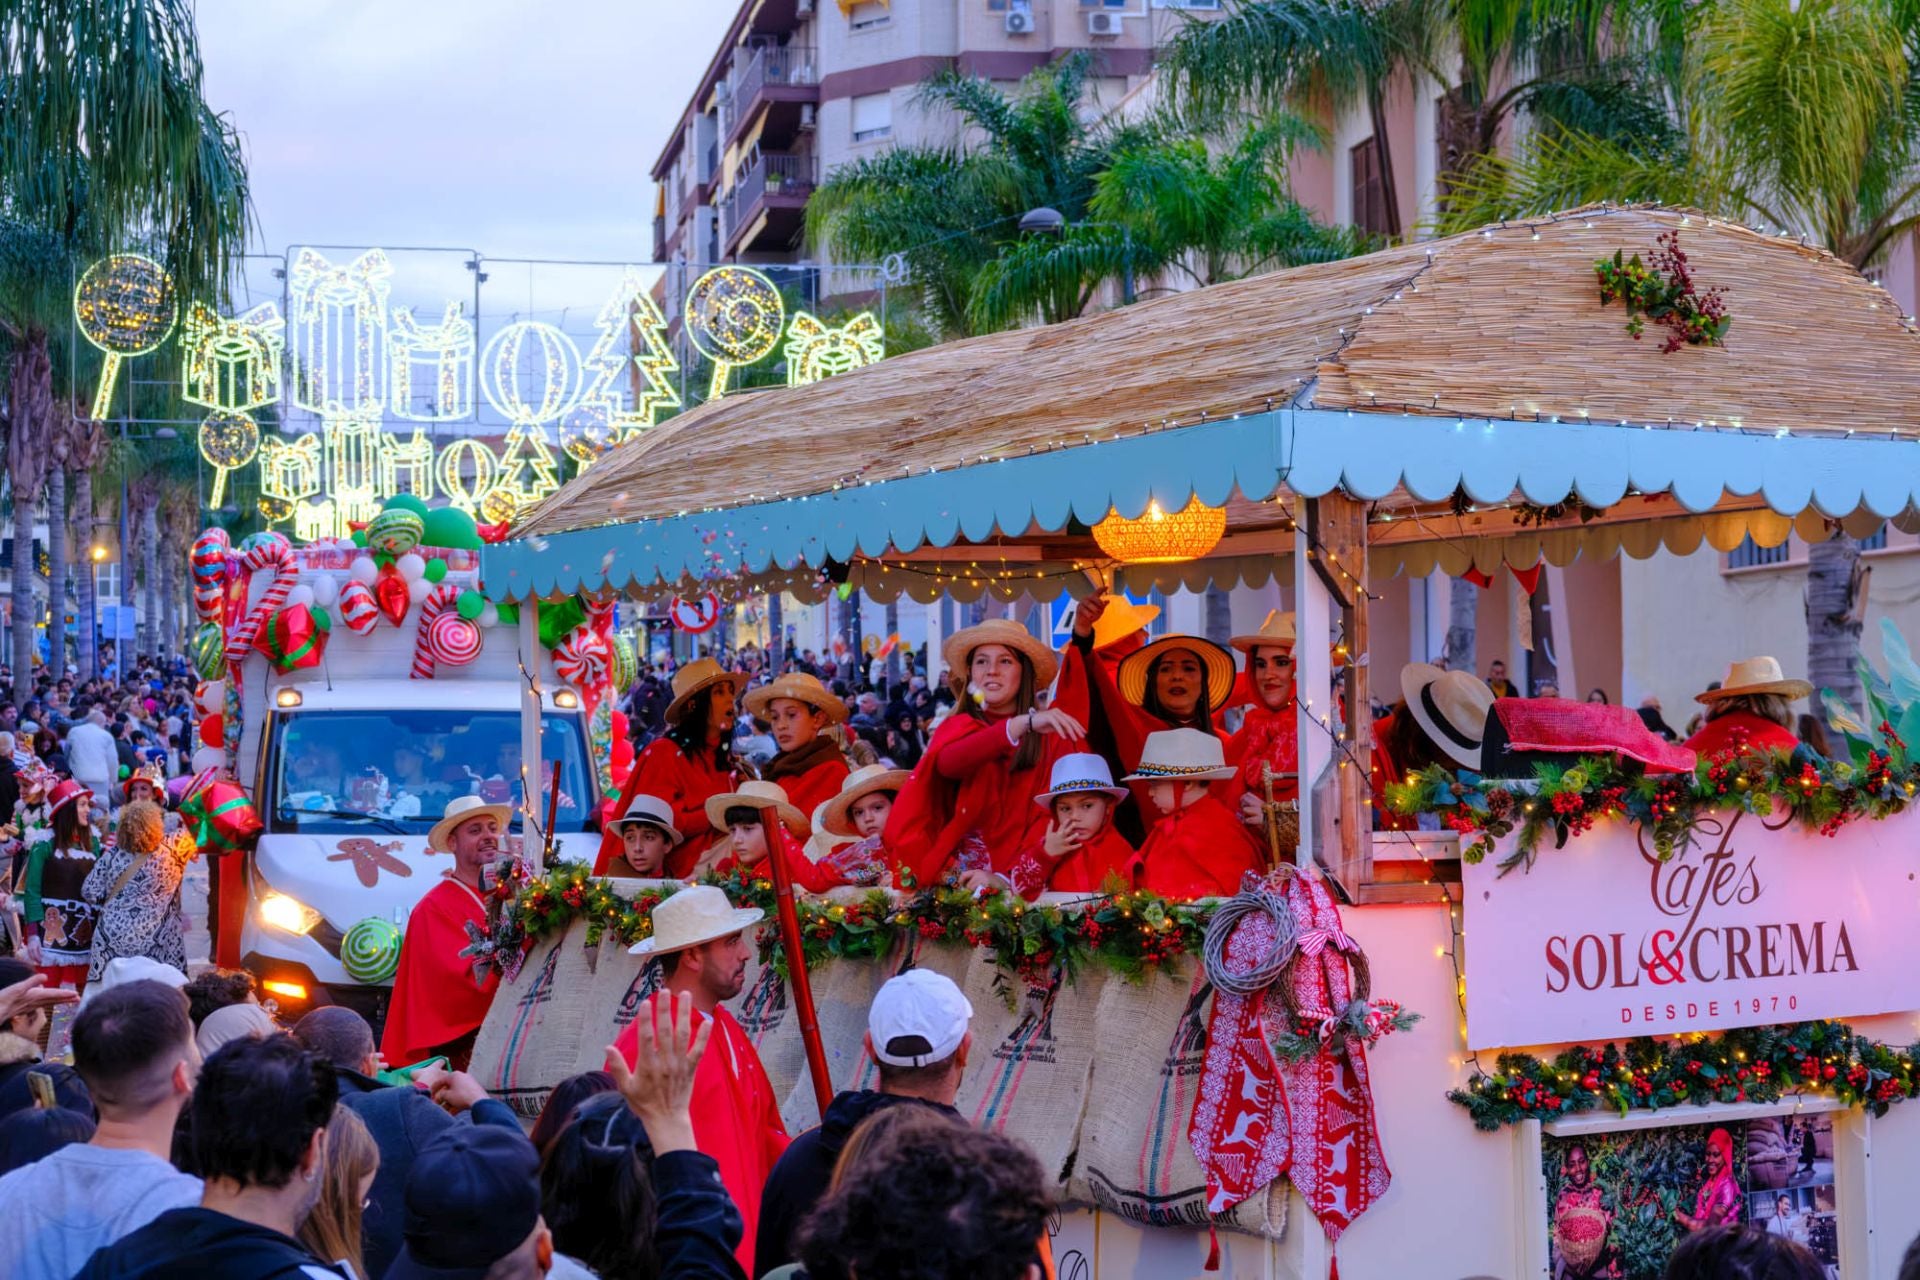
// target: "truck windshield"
[[347, 770]]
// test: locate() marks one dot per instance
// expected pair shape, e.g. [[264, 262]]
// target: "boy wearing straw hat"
[[1081, 851], [859, 814], [800, 711], [704, 948], [1199, 848], [748, 841]]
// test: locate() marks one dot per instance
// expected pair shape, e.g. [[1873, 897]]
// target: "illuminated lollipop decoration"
[[125, 306], [734, 316], [228, 441]]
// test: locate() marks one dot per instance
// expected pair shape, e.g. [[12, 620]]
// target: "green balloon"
[[453, 528], [359, 537], [322, 620], [470, 605], [558, 619], [436, 570], [406, 502]]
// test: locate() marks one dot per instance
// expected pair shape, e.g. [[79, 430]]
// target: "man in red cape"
[[704, 950], [437, 1004]]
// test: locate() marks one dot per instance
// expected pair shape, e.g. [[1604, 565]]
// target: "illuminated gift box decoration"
[[430, 368], [815, 350], [337, 316], [231, 363]]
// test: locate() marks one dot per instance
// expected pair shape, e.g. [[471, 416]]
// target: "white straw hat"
[[697, 914], [1276, 632], [1451, 706], [1079, 774], [1181, 755], [651, 810], [463, 809]]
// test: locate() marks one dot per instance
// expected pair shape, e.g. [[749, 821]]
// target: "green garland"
[[1130, 934], [1752, 1064], [1563, 800]]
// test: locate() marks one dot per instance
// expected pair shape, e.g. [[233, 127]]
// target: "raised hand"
[[659, 1086]]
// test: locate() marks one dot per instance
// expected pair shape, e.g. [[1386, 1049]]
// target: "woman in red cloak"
[[691, 761], [1269, 738], [1751, 711], [968, 806], [800, 711]]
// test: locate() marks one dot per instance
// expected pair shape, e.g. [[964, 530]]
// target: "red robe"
[[736, 1118], [807, 875], [1196, 852], [435, 999], [1131, 726], [1084, 871], [814, 786], [1265, 738], [663, 770], [1741, 730]]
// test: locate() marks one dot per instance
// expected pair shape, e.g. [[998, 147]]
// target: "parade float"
[[1638, 992]]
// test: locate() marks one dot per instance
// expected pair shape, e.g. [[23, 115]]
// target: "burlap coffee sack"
[[1134, 1158], [531, 1037]]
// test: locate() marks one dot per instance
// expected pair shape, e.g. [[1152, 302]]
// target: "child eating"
[[1080, 851], [647, 836], [1198, 849]]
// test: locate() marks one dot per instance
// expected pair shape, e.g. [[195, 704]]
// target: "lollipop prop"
[[228, 441], [734, 316], [125, 306]]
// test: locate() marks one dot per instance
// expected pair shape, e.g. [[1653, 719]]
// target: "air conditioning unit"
[[1104, 24], [809, 115], [1019, 23]]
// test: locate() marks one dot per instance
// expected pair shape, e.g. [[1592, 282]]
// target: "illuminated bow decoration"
[[815, 350]]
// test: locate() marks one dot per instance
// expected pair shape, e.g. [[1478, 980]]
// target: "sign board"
[[1751, 924]]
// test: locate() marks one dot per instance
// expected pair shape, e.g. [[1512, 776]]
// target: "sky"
[[518, 129]]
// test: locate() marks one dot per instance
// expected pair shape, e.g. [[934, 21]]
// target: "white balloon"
[[489, 615], [419, 589], [209, 758], [301, 595], [363, 569], [211, 697], [326, 590], [411, 567]]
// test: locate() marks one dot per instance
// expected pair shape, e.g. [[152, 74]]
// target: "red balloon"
[[623, 753], [620, 725], [390, 593], [212, 732]]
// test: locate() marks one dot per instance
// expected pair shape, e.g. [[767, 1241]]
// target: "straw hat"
[[1276, 632], [755, 794], [651, 810], [463, 809], [701, 673], [959, 647], [1081, 773], [699, 913], [1181, 755], [836, 813], [1121, 619], [1217, 659], [1755, 675], [801, 687], [1451, 706]]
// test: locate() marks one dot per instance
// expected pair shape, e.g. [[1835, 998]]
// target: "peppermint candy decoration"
[[370, 950], [439, 604], [582, 658], [208, 562], [274, 553], [452, 641], [358, 612]]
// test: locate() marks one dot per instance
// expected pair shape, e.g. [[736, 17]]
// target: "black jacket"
[[200, 1244], [401, 1121], [698, 1226], [800, 1177]]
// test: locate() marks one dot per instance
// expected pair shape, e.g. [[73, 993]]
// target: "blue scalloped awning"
[[1310, 451]]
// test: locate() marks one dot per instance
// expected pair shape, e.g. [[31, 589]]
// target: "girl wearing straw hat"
[[968, 805], [1752, 710], [859, 815], [1199, 848], [1269, 738], [1080, 851], [690, 762], [741, 816], [802, 712]]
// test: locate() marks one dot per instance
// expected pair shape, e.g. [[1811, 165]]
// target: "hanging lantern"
[[1158, 538]]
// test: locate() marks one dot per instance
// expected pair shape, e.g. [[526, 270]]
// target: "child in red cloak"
[[1269, 738], [799, 711], [1080, 851], [692, 761], [859, 815], [741, 816], [648, 838], [967, 808], [1199, 848]]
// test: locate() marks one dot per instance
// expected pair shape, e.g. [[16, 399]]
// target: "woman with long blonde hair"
[[332, 1230]]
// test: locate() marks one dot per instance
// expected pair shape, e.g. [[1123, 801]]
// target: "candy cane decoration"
[[275, 554], [439, 600]]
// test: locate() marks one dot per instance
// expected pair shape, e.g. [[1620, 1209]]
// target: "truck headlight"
[[288, 914]]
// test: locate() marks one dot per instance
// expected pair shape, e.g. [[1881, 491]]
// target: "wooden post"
[[532, 839], [1337, 525]]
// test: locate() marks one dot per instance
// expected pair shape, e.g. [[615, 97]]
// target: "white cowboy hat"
[[653, 811], [1122, 618], [755, 794], [834, 813], [800, 687], [701, 673], [462, 809], [1753, 676], [1181, 755], [1079, 774], [1274, 633], [699, 913], [1218, 661], [1450, 706], [958, 650]]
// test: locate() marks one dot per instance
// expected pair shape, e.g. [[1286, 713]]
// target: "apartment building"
[[799, 87]]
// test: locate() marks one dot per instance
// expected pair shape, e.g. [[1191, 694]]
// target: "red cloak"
[[736, 1118], [815, 784], [1200, 851], [663, 770], [807, 875], [1740, 732], [1266, 738], [435, 999], [1084, 871]]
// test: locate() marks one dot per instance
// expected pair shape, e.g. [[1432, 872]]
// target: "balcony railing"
[[771, 65], [779, 175]]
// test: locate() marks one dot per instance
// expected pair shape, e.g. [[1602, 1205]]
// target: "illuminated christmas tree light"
[[734, 316], [610, 364], [337, 316], [815, 350], [231, 364], [430, 369], [124, 305], [528, 469]]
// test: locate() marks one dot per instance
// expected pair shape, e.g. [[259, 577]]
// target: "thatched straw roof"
[[1501, 323]]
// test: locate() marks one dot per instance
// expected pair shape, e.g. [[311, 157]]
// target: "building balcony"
[[778, 82], [768, 203]]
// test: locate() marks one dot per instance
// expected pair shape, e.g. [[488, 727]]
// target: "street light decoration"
[[231, 364], [815, 350], [1156, 537], [125, 306], [734, 316]]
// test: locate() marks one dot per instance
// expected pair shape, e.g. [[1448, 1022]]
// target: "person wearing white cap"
[[1269, 737], [647, 836], [704, 948], [1199, 848], [1081, 851], [919, 1032]]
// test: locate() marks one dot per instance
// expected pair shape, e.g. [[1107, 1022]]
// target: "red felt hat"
[[65, 793]]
